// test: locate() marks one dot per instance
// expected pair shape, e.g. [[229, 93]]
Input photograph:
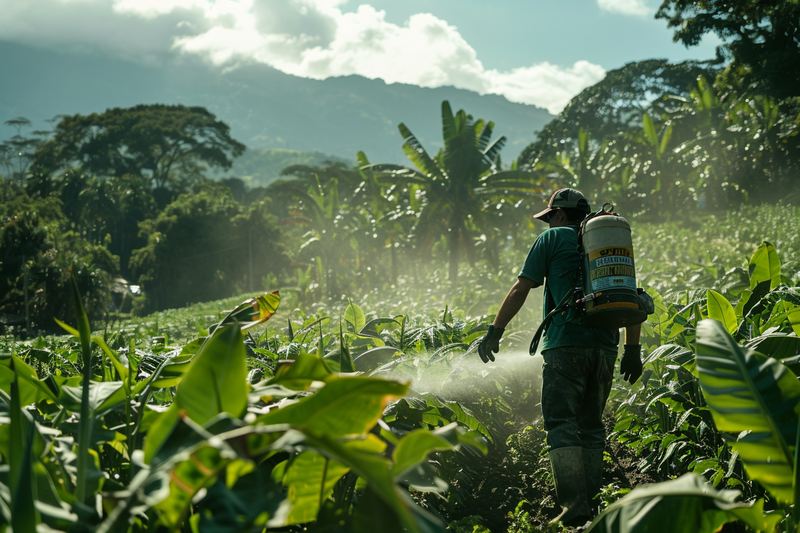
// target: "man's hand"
[[490, 344], [631, 365]]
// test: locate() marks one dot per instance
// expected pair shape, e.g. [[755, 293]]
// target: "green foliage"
[[659, 138], [345, 427], [36, 255], [169, 145], [760, 38], [712, 251], [458, 183], [686, 503], [687, 403], [106, 211], [211, 385], [17, 152], [205, 246], [615, 104], [362, 399], [755, 397], [297, 455], [722, 311]]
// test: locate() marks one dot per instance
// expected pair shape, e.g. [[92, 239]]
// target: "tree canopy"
[[205, 246], [762, 35], [167, 144], [616, 103]]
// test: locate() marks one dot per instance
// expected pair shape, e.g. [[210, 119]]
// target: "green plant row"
[[191, 444], [720, 399]]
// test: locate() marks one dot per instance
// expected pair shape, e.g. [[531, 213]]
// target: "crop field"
[[254, 413], [186, 349]]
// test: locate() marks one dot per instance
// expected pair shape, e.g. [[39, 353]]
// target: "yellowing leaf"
[[254, 311]]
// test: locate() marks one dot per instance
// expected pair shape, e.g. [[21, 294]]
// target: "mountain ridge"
[[265, 108]]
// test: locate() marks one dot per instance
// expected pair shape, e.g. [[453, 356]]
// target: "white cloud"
[[98, 25], [546, 85], [150, 9], [426, 51], [625, 7], [308, 38]]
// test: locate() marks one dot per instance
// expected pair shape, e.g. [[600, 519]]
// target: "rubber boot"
[[567, 464], [593, 470]]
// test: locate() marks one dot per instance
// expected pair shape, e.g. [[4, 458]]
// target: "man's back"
[[554, 258]]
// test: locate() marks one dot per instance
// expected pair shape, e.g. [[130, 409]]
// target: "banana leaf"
[[683, 504], [754, 396], [719, 308]]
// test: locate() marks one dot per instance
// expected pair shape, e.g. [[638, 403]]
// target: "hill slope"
[[264, 107], [260, 167]]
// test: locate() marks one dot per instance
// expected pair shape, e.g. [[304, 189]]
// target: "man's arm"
[[632, 334], [490, 344], [631, 365], [514, 301]]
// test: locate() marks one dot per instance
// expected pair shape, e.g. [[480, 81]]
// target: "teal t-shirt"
[[553, 261]]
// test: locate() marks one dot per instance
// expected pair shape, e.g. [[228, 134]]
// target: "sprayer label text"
[[616, 270], [614, 250], [611, 260]]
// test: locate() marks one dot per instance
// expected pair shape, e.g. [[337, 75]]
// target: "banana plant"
[[686, 504], [457, 182], [331, 225], [305, 447], [590, 166], [756, 400]]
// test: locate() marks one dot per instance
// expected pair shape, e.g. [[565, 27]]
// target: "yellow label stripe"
[[614, 250]]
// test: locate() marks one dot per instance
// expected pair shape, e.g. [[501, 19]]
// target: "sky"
[[539, 52]]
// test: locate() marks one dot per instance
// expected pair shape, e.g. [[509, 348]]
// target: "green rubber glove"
[[631, 365], [490, 344]]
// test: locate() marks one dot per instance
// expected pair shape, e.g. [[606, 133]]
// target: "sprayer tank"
[[610, 276]]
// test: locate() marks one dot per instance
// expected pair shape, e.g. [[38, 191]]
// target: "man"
[[578, 361]]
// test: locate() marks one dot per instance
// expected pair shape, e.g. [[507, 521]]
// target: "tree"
[[171, 145], [736, 149], [17, 152], [111, 208], [351, 238], [330, 228], [456, 183], [37, 250], [205, 246], [614, 105], [761, 35]]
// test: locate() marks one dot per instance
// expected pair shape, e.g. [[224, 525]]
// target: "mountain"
[[260, 167], [265, 108]]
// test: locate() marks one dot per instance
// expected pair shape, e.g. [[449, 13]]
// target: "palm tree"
[[458, 183]]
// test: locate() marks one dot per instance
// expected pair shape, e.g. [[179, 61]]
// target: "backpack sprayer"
[[604, 294]]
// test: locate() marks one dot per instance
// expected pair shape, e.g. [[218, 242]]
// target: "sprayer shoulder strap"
[[537, 337]]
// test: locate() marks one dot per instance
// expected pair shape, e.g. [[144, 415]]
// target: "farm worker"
[[578, 361]]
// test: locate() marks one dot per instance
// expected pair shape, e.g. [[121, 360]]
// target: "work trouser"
[[576, 382]]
